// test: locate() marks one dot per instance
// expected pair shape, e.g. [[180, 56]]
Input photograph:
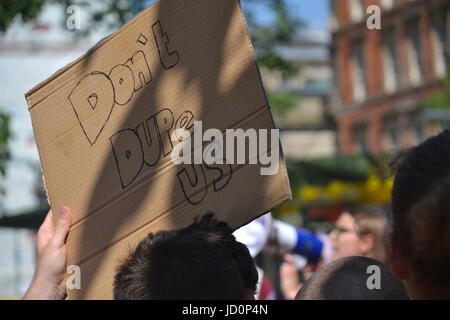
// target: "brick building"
[[383, 77]]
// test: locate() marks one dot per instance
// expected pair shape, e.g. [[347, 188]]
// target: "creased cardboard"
[[103, 124]]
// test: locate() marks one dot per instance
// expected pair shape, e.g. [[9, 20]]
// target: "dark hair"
[[201, 261], [347, 279], [421, 209]]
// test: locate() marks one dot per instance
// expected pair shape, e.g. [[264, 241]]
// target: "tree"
[[27, 10], [280, 30], [4, 149], [114, 13], [440, 100]]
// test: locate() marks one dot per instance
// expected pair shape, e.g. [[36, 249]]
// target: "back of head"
[[202, 261], [353, 278], [421, 211]]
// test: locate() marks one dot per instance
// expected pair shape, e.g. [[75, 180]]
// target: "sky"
[[313, 12], [21, 72]]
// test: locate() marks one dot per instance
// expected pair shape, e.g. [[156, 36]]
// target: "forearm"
[[41, 290]]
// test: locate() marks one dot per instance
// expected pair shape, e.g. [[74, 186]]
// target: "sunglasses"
[[339, 230]]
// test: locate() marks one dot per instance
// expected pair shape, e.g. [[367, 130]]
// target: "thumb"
[[289, 258], [62, 227]]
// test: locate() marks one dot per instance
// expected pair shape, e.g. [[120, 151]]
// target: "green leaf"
[[282, 101]]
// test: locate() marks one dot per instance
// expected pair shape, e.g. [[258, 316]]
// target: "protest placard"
[[104, 125]]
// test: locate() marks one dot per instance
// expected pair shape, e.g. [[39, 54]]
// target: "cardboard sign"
[[103, 127]]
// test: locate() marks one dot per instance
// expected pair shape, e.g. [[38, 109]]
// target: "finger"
[[47, 225], [45, 232], [62, 227], [288, 258]]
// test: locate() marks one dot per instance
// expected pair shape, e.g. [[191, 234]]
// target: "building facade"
[[305, 132], [385, 76]]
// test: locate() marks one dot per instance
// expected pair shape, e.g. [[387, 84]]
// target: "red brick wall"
[[378, 104]]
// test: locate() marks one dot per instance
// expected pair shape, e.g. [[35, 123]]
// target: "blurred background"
[[346, 99]]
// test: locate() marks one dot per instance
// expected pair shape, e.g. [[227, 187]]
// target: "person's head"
[[353, 278], [359, 231], [419, 243], [201, 261]]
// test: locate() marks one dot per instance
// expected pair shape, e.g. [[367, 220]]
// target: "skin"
[[48, 282], [346, 243], [289, 277], [349, 243], [49, 279], [403, 270], [290, 282]]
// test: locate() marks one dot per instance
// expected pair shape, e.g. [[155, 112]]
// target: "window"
[[357, 9], [440, 44], [387, 4], [358, 72], [390, 66], [415, 53], [391, 137], [334, 21], [416, 126], [360, 138]]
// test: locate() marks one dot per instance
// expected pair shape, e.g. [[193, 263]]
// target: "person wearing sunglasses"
[[359, 231]]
